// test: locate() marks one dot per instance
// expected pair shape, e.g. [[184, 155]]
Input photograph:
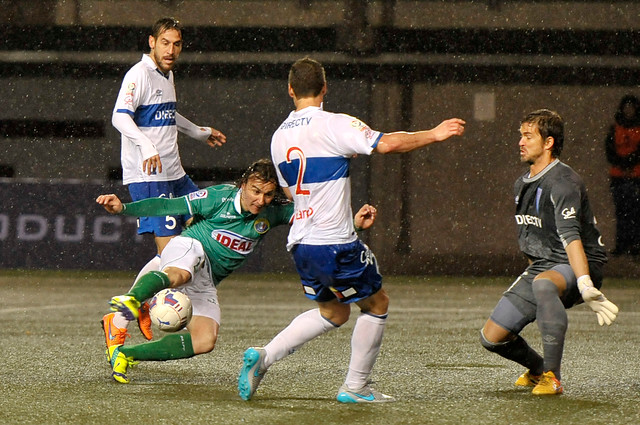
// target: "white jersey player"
[[311, 151], [314, 149], [145, 114]]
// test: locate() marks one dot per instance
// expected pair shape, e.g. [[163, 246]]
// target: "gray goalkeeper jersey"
[[552, 210]]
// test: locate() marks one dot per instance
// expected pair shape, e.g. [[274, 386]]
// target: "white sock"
[[303, 328], [152, 265], [120, 321], [365, 346]]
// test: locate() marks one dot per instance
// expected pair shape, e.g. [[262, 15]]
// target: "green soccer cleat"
[[362, 395], [548, 385], [127, 305], [252, 372], [527, 379], [120, 363]]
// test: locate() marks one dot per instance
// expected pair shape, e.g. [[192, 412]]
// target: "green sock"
[[171, 347], [149, 285]]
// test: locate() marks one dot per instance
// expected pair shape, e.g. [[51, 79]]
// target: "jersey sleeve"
[[355, 136], [192, 130], [284, 214], [156, 207], [207, 201], [130, 92], [126, 104], [567, 199]]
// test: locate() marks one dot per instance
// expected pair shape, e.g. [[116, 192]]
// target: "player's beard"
[[164, 67]]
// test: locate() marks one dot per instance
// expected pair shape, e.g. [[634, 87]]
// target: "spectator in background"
[[623, 153]]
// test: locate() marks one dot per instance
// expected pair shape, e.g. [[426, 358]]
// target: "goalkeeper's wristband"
[[355, 226], [584, 282]]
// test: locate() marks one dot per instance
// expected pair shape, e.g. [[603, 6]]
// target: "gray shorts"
[[517, 307]]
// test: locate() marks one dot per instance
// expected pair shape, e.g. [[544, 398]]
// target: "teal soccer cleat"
[[252, 372]]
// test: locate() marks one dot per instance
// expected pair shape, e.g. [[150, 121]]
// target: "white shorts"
[[188, 254]]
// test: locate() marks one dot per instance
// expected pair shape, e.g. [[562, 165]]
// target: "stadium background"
[[395, 64]]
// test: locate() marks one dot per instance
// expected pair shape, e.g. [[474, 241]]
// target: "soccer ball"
[[170, 310]]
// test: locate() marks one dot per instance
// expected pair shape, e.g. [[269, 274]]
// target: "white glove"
[[604, 309]]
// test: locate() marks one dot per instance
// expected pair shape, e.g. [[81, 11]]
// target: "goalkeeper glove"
[[604, 309]]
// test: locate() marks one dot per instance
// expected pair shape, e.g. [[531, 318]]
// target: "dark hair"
[[264, 171], [621, 118], [165, 24], [550, 124], [307, 77]]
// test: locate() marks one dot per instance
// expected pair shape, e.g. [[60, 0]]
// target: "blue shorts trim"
[[167, 225], [347, 272]]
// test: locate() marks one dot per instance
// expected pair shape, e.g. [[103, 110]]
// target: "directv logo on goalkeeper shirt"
[[234, 241]]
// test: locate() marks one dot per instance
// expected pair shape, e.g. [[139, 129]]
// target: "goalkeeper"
[[558, 235]]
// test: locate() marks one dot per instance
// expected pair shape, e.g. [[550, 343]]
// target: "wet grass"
[[53, 369]]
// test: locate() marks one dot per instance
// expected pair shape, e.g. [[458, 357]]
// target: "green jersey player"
[[229, 221]]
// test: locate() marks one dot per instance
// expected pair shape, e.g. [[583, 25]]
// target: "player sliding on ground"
[[558, 235], [196, 262], [229, 221]]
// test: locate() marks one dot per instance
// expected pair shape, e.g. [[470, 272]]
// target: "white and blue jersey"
[[148, 96], [312, 150]]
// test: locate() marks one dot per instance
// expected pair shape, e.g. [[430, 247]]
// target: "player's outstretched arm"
[[111, 203], [210, 135], [365, 217], [401, 141]]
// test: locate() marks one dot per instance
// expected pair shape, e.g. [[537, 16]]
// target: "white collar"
[[236, 202]]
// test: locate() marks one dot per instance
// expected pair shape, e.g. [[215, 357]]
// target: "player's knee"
[[206, 345], [382, 302], [335, 312], [377, 304], [544, 289], [177, 276], [494, 347], [339, 318]]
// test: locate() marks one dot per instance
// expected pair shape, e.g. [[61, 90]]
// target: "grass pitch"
[[53, 369]]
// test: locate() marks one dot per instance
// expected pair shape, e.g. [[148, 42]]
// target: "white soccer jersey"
[[312, 150], [149, 98]]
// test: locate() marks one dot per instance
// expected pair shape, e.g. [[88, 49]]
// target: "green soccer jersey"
[[227, 233]]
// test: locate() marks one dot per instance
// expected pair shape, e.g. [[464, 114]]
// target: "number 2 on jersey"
[[303, 166]]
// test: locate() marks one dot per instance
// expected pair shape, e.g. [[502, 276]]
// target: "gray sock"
[[516, 350], [552, 322]]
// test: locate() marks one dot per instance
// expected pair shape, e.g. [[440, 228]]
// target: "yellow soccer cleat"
[[144, 321], [548, 385], [127, 305], [527, 379], [119, 363]]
